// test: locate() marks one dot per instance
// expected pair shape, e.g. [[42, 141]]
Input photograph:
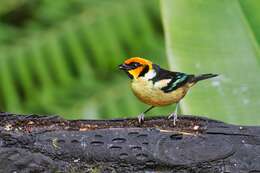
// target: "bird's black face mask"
[[128, 67]]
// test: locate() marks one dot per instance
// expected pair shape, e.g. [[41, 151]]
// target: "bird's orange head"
[[136, 67]]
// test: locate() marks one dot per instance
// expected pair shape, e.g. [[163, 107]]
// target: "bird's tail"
[[202, 77]]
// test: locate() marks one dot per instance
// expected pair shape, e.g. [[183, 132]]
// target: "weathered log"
[[31, 143]]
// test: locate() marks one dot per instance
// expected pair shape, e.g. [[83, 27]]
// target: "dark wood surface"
[[32, 143]]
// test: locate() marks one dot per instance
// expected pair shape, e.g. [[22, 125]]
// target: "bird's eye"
[[136, 64]]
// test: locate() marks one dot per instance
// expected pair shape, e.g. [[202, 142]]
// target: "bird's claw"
[[175, 117], [141, 118]]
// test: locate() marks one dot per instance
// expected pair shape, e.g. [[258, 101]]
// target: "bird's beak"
[[124, 67]]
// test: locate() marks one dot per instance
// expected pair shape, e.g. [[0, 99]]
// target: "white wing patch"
[[162, 83], [150, 74]]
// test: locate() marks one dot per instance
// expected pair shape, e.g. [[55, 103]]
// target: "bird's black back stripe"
[[177, 79], [144, 71], [157, 70], [176, 82]]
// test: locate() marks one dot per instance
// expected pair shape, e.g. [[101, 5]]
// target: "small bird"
[[156, 86]]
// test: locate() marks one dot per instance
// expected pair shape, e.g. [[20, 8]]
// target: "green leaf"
[[216, 36], [252, 14], [65, 62]]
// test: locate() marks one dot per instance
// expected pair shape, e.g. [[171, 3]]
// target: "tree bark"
[[32, 143]]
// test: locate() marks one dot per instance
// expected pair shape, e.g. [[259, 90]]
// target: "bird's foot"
[[175, 117], [141, 118]]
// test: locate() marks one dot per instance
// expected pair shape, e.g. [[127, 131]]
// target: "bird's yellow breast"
[[151, 93]]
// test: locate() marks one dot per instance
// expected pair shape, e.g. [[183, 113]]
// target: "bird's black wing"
[[177, 79]]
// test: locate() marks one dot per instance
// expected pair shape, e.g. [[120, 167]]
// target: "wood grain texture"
[[51, 144]]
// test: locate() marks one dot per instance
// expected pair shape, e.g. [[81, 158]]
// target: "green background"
[[61, 57]]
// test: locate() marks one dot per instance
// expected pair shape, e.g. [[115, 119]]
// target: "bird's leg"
[[141, 116], [174, 114]]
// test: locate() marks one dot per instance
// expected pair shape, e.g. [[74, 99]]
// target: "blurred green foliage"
[[61, 57]]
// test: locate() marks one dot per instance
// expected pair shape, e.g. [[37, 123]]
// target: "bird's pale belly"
[[152, 95]]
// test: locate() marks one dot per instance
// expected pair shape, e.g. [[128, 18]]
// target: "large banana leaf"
[[217, 36], [71, 67]]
